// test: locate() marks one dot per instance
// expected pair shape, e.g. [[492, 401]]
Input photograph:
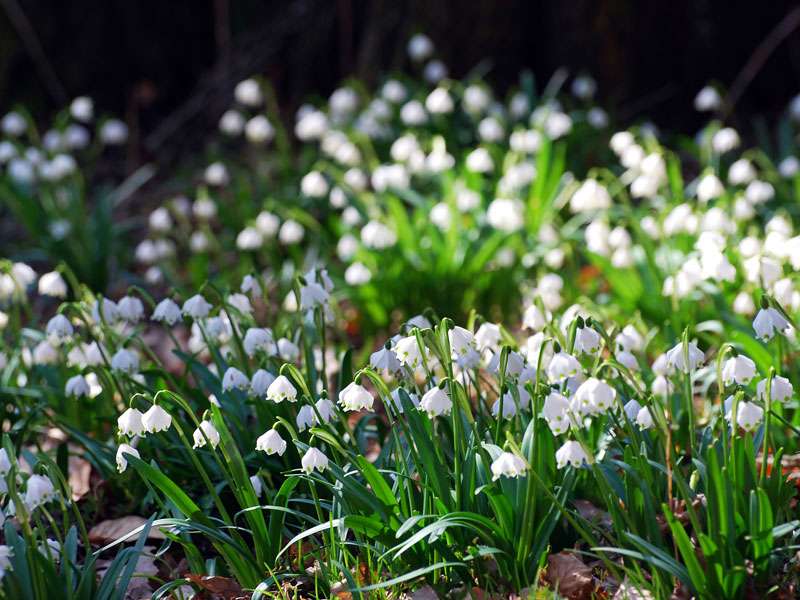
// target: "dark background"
[[168, 66]]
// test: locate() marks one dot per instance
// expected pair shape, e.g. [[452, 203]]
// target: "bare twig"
[[759, 57], [34, 47]]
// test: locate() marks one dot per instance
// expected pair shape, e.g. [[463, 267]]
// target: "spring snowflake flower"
[[259, 339], [312, 295], [130, 423], [260, 383], [488, 337], [725, 140], [206, 430], [53, 284], [77, 386], [461, 340], [508, 464], [259, 130], [571, 453], [326, 410], [305, 418], [130, 309], [767, 322], [258, 487], [562, 366], [749, 415], [781, 389], [234, 379], [59, 329], [196, 307], [6, 552], [556, 412], [156, 419], [534, 319], [590, 196], [355, 397], [167, 312], [314, 459], [357, 274], [39, 491], [644, 418], [594, 396], [708, 188], [281, 389], [739, 369], [631, 409], [436, 402], [587, 340], [125, 361], [122, 462], [250, 285], [676, 358], [288, 350], [408, 352], [291, 232], [661, 386], [248, 93], [506, 215], [271, 442], [5, 463], [707, 100]]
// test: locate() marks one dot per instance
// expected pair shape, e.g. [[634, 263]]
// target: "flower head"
[[122, 450], [281, 389], [314, 459], [571, 453], [271, 442], [508, 464], [156, 419], [355, 397]]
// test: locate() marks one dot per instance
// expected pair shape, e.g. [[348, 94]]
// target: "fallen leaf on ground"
[[106, 532], [567, 574], [224, 587]]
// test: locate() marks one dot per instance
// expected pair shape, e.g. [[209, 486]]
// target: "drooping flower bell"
[[156, 419], [508, 464], [206, 432], [122, 461], [130, 423], [314, 459], [281, 389], [436, 402], [738, 369], [571, 453], [355, 397], [781, 389], [271, 442]]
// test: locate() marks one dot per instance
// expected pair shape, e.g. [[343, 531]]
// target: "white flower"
[[114, 132], [631, 409], [259, 130], [130, 309], [488, 337], [644, 419], [305, 418], [314, 459], [77, 386], [710, 187], [130, 423], [420, 47], [739, 369], [534, 319], [506, 215], [216, 174], [258, 487], [288, 349], [780, 390], [661, 386], [593, 397], [260, 383], [271, 442], [156, 419], [5, 463], [59, 329], [249, 238], [167, 312], [314, 185], [571, 453], [231, 123], [377, 235], [439, 101], [741, 172], [205, 431], [436, 402], [122, 462], [767, 322], [312, 295], [408, 352], [461, 340], [357, 274], [508, 464], [250, 286], [748, 415], [6, 552], [39, 491], [562, 366], [725, 140], [591, 195], [587, 340], [258, 339], [248, 93], [291, 232], [676, 358], [82, 109], [125, 361], [53, 284], [707, 100], [281, 389], [234, 379], [556, 412], [196, 307], [326, 410], [355, 397]]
